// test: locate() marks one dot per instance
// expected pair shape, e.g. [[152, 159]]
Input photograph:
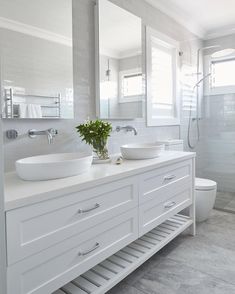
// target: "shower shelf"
[[111, 271]]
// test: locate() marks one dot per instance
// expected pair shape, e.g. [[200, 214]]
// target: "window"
[[131, 85], [223, 73], [222, 79], [162, 102]]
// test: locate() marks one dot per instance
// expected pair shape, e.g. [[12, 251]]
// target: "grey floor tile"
[[171, 277], [222, 219], [225, 201], [221, 237], [209, 258], [230, 205], [143, 269], [123, 288], [190, 265], [225, 195], [221, 203]]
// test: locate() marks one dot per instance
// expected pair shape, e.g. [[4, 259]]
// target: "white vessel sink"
[[52, 166], [141, 151]]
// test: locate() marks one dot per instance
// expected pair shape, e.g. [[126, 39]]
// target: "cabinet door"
[[163, 193], [35, 228], [46, 271], [153, 213], [160, 184]]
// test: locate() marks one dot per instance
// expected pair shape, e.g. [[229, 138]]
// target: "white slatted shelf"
[[111, 271]]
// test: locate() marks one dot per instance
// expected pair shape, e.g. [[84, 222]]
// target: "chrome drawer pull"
[[169, 204], [169, 177], [97, 245], [89, 209]]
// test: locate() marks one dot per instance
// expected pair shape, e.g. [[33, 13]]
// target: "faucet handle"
[[118, 129], [53, 132], [31, 133]]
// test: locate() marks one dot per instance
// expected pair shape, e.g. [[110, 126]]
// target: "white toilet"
[[205, 194], [205, 190]]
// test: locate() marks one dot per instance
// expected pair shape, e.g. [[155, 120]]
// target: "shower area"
[[211, 119]]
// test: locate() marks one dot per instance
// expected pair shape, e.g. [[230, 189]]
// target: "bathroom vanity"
[[96, 228]]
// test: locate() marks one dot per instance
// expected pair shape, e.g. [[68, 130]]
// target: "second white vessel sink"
[[141, 151], [52, 166]]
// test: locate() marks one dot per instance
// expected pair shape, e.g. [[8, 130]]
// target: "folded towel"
[[34, 111], [23, 109], [30, 110]]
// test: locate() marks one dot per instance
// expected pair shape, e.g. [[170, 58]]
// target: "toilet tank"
[[173, 145]]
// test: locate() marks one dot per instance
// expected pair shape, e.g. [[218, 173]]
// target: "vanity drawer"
[[46, 271], [165, 181], [34, 228], [153, 213]]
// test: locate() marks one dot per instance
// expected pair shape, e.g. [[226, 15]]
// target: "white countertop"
[[20, 193]]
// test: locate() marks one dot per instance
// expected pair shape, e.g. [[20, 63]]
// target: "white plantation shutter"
[[161, 80], [132, 85], [188, 92]]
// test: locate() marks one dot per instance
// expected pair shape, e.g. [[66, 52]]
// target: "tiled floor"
[[204, 264], [225, 201]]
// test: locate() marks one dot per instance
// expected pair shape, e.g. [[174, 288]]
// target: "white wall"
[[2, 223], [84, 87], [2, 216]]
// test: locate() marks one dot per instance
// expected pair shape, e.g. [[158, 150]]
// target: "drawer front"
[[153, 213], [165, 181], [47, 271], [34, 228]]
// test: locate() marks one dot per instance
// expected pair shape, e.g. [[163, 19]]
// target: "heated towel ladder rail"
[[9, 103]]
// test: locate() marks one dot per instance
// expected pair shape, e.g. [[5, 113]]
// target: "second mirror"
[[120, 91]]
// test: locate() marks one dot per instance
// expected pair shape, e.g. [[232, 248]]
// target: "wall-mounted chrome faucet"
[[127, 129], [50, 133]]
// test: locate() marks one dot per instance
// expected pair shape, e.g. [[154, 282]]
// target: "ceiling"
[[120, 31], [205, 18], [54, 16]]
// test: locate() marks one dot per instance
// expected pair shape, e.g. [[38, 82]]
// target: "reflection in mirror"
[[36, 59], [120, 83]]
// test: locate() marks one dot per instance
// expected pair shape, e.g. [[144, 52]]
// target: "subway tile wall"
[[84, 88]]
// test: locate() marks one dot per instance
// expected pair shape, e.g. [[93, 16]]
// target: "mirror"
[[120, 90], [36, 59]]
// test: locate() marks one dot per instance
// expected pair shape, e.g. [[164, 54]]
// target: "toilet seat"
[[204, 184]]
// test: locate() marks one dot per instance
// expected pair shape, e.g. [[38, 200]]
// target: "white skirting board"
[[110, 272]]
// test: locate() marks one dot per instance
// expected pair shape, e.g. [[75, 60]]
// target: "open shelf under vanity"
[[111, 271]]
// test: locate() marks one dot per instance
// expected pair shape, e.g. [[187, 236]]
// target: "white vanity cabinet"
[[100, 230], [164, 192], [34, 228]]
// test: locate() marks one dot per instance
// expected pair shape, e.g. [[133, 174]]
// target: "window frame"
[[133, 98], [167, 42], [208, 89]]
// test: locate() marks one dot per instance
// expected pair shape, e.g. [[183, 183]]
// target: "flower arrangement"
[[96, 133]]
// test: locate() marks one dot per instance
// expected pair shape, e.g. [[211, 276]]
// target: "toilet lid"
[[204, 184]]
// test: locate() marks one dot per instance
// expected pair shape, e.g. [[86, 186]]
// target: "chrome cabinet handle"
[[89, 209], [169, 204], [97, 245], [169, 177]]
